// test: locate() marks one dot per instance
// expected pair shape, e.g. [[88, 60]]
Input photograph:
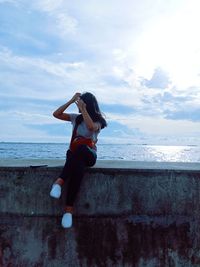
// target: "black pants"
[[74, 169]]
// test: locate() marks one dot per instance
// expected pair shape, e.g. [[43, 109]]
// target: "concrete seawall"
[[126, 214]]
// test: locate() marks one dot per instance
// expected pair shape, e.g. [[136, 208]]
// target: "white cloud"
[[66, 24], [48, 5], [62, 23], [160, 80], [156, 125], [35, 77], [55, 76], [17, 127], [14, 129], [31, 117], [21, 62]]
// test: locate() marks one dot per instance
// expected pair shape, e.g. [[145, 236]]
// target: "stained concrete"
[[142, 215]]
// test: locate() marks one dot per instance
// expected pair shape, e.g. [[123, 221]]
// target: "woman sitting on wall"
[[82, 150]]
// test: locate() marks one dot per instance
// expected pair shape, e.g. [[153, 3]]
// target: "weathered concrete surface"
[[141, 217]]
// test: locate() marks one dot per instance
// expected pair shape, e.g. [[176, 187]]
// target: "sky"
[[141, 59]]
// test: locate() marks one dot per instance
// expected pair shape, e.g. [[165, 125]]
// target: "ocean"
[[133, 152]]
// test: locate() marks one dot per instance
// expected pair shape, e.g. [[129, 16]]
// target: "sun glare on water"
[[168, 153]]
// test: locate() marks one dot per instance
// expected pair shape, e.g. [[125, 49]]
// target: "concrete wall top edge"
[[101, 165]]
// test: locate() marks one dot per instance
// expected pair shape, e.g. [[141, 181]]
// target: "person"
[[82, 151]]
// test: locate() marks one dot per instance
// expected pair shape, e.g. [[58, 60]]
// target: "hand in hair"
[[75, 97], [80, 104]]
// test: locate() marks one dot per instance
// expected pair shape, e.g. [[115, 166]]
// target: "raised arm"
[[91, 125], [59, 113]]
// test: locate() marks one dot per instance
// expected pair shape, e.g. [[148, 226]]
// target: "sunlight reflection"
[[168, 153]]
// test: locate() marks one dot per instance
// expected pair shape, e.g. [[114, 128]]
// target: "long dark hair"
[[92, 109]]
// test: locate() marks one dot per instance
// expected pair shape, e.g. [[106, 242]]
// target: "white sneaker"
[[67, 220], [55, 191]]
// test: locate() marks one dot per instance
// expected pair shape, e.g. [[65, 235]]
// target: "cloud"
[[192, 114], [156, 125], [114, 81], [36, 77], [167, 103], [48, 5], [28, 72], [54, 129], [117, 108], [179, 107], [120, 132], [159, 80], [51, 49], [64, 24]]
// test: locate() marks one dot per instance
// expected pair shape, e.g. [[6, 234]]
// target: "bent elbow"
[[54, 114]]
